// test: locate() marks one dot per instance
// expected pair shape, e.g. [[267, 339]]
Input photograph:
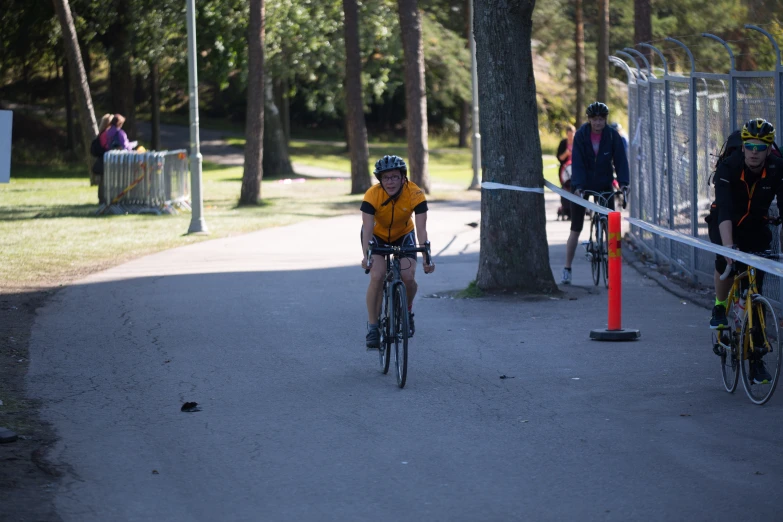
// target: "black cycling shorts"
[[755, 238], [578, 212], [408, 239]]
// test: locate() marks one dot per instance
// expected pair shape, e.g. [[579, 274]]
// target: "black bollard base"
[[615, 335]]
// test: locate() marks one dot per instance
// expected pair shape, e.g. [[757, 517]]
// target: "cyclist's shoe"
[[566, 277], [411, 325], [719, 319], [373, 338], [759, 373]]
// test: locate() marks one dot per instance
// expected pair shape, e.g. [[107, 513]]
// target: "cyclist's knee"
[[376, 277]]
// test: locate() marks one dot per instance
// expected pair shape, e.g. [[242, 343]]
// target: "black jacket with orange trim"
[[742, 197]]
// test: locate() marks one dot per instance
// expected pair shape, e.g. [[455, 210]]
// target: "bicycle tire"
[[768, 325], [384, 351], [400, 333], [595, 257], [729, 364], [603, 245]]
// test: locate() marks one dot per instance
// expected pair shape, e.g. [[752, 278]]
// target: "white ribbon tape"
[[766, 265], [491, 185]]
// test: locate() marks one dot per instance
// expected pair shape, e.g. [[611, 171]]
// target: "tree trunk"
[[464, 124], [642, 26], [120, 74], [155, 105], [70, 141], [514, 252], [464, 114], [579, 40], [281, 102], [415, 93], [356, 130], [602, 65], [89, 127], [276, 161], [254, 128]]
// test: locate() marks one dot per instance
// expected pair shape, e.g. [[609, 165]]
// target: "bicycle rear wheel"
[[595, 248], [603, 246], [400, 333], [729, 364], [766, 347]]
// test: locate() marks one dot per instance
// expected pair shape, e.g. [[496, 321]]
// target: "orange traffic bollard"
[[615, 331]]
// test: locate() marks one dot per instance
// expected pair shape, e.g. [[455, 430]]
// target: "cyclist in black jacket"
[[746, 182]]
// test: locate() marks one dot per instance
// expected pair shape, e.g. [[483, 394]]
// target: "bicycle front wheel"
[[400, 333], [729, 364], [595, 248], [384, 351], [759, 350], [603, 246]]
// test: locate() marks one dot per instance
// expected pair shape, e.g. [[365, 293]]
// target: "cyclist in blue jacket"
[[598, 152]]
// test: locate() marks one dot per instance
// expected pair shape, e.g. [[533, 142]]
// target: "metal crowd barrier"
[[678, 123], [154, 182]]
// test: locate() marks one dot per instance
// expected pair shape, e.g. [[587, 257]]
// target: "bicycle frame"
[[735, 295], [393, 276]]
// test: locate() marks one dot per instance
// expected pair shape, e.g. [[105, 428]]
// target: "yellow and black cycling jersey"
[[393, 214]]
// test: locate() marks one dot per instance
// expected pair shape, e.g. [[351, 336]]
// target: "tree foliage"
[[305, 47]]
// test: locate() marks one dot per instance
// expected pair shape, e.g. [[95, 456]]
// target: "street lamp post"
[[197, 223], [476, 183]]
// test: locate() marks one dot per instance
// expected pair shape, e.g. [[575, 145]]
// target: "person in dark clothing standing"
[[564, 157], [598, 152]]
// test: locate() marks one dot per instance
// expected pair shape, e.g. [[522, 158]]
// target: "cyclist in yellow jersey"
[[386, 216]]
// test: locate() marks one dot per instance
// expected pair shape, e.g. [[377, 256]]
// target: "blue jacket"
[[589, 172]]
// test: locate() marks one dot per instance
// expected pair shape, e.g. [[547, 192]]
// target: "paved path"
[[265, 331]]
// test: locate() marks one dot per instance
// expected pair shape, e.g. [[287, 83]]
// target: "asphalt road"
[[266, 331]]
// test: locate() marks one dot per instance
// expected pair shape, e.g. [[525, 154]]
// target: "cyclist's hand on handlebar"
[[366, 264], [428, 269], [624, 190], [729, 261]]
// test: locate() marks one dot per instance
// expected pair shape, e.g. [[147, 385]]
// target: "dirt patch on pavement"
[[27, 480]]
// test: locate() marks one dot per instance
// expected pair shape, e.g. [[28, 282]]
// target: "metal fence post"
[[667, 138]]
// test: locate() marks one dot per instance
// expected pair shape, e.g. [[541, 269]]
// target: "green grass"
[[49, 233], [449, 166], [471, 292]]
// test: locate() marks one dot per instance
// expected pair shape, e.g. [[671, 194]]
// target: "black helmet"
[[387, 163], [597, 109], [758, 129]]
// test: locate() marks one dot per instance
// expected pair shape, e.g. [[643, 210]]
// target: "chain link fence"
[[678, 124]]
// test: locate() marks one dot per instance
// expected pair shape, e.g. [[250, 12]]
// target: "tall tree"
[[602, 62], [276, 160], [642, 25], [511, 151], [254, 126], [579, 55], [464, 116], [120, 53], [354, 102], [81, 87], [415, 93]]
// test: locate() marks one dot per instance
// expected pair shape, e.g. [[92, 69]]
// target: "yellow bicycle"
[[752, 339]]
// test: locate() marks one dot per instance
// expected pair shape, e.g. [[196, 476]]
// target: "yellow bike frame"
[[734, 297]]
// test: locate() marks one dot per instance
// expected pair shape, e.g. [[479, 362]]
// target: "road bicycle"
[[752, 334], [394, 310], [597, 246]]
